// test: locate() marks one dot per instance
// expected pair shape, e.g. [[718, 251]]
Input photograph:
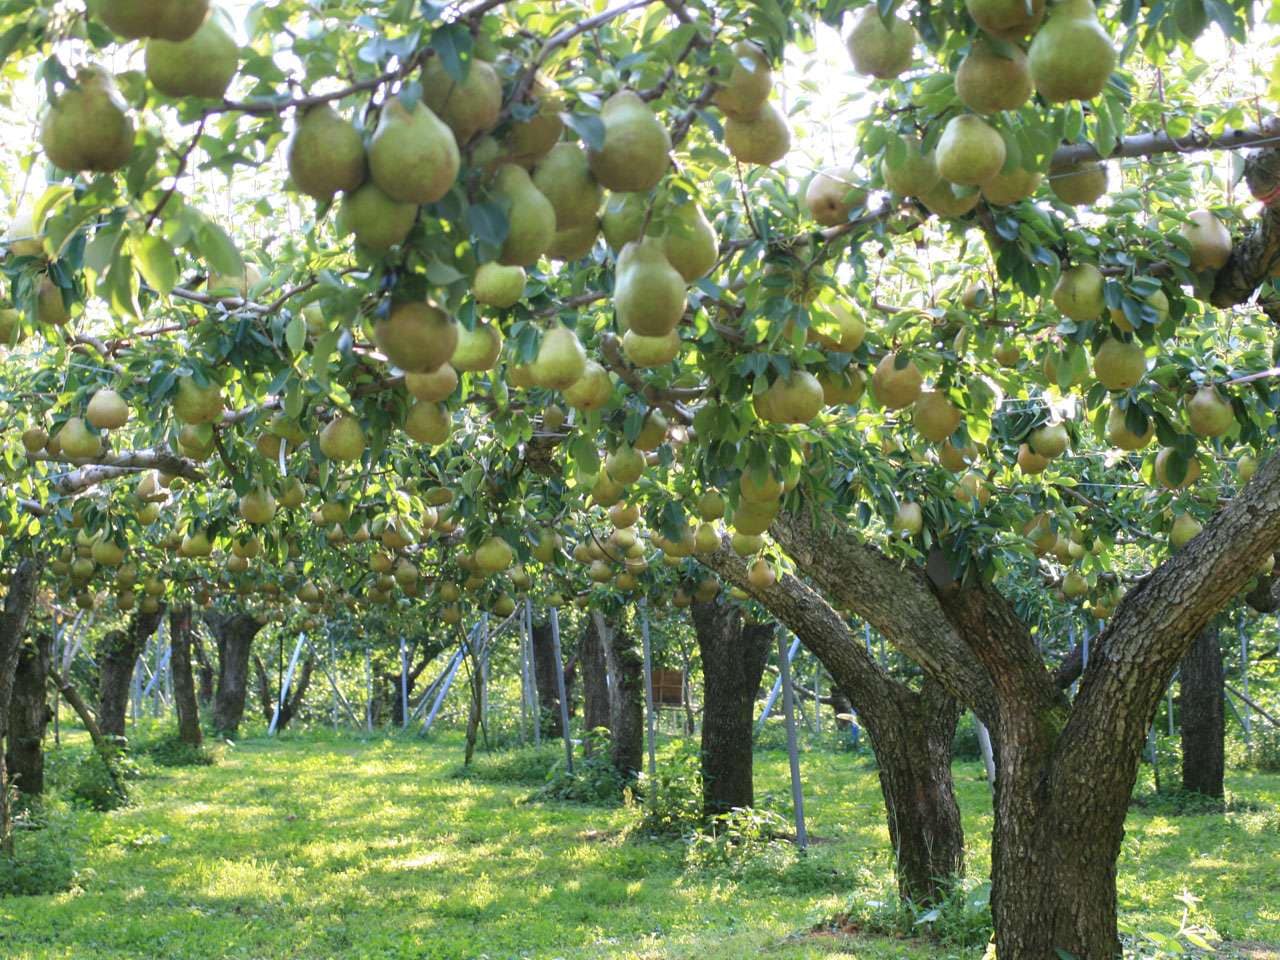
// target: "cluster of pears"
[[619, 558], [755, 131]]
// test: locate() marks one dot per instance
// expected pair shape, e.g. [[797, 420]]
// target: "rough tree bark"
[[118, 652], [204, 670], [29, 715], [544, 679], [1203, 715], [910, 732], [184, 687], [18, 602], [595, 678], [1064, 772], [233, 633], [733, 657], [626, 698]]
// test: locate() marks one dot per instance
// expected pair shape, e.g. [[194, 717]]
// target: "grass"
[[317, 846]]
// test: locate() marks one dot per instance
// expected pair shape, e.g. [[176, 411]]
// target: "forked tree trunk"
[[29, 715], [595, 679], [733, 659], [626, 700], [234, 634], [184, 687], [118, 653], [18, 602], [1203, 720]]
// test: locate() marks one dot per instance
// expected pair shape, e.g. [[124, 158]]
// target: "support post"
[[368, 688], [564, 701], [484, 676], [333, 699], [284, 684], [404, 685], [817, 696], [524, 676], [1246, 719], [534, 709], [988, 756], [442, 692], [793, 751], [777, 687], [648, 698]]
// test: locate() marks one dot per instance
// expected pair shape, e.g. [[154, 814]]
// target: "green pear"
[[1079, 184], [832, 195], [413, 155], [1078, 292], [531, 220], [913, 173], [377, 221], [477, 349], [633, 156], [945, 202], [325, 154], [880, 48], [934, 415], [573, 243], [623, 219], [51, 308], [1006, 188], [969, 152], [77, 441], [990, 78], [194, 403], [564, 178], [894, 387], [470, 107], [428, 423], [200, 66], [1006, 19], [763, 139], [499, 286], [433, 385], [107, 410], [561, 360], [1210, 241], [342, 439], [593, 390], [12, 332], [196, 440], [649, 293], [416, 336], [87, 127], [649, 352], [1208, 414], [1071, 57], [174, 20], [690, 243], [748, 84], [258, 506], [1119, 365], [527, 141], [1119, 434]]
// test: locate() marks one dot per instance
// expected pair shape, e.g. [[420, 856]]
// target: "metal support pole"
[[648, 697], [1246, 719], [524, 676], [368, 687], [1169, 704], [793, 752], [564, 701], [404, 685], [333, 700], [777, 687], [988, 756], [442, 693], [284, 684], [817, 695], [535, 709], [484, 672]]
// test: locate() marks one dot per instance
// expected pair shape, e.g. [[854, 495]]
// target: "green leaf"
[[156, 263], [218, 250], [295, 334]]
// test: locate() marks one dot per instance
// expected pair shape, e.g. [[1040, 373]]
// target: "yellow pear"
[[748, 83], [377, 221], [935, 416], [1208, 414], [87, 128], [561, 361], [416, 336], [1163, 473], [531, 219], [649, 293], [326, 155], [1119, 434], [428, 423], [200, 66], [633, 156], [564, 178], [413, 155], [342, 439], [469, 107], [969, 152], [763, 139], [880, 48], [896, 387], [1071, 57], [832, 195], [107, 410], [477, 348], [593, 390]]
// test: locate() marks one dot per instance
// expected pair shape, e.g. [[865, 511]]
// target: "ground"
[[317, 846]]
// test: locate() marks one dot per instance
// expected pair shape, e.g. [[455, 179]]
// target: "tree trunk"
[[204, 671], [267, 700], [841, 710], [118, 653], [733, 658], [29, 715], [544, 675], [18, 602], [184, 687], [595, 679], [1203, 719], [626, 702], [234, 634]]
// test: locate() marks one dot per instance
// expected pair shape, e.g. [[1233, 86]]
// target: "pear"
[[573, 243], [838, 389], [1050, 440], [832, 195], [531, 219], [477, 348], [649, 352], [416, 336], [326, 155], [564, 178], [935, 416], [913, 174], [1012, 187], [1071, 57], [896, 388], [1208, 414], [24, 238], [428, 423], [174, 20], [342, 439], [527, 141], [200, 66], [1163, 477], [1185, 527], [1006, 19], [649, 293], [292, 493], [493, 556], [689, 242], [796, 398], [469, 107], [413, 155], [499, 286], [1210, 241], [1158, 301], [561, 361], [196, 404], [763, 139], [1246, 467], [652, 432], [196, 440], [969, 152], [990, 78], [1119, 434], [1079, 184], [1078, 292], [107, 410], [944, 202], [748, 83], [1030, 462], [1118, 365], [258, 506], [623, 219], [593, 390], [908, 520], [87, 127], [77, 441], [378, 222], [625, 464], [633, 157], [847, 332], [880, 48]]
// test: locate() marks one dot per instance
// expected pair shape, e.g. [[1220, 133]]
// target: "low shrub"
[[672, 807], [594, 780], [103, 785], [41, 864], [170, 751], [1264, 748], [964, 745], [962, 918], [527, 765]]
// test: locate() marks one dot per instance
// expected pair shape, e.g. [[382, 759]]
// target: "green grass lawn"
[[314, 847]]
